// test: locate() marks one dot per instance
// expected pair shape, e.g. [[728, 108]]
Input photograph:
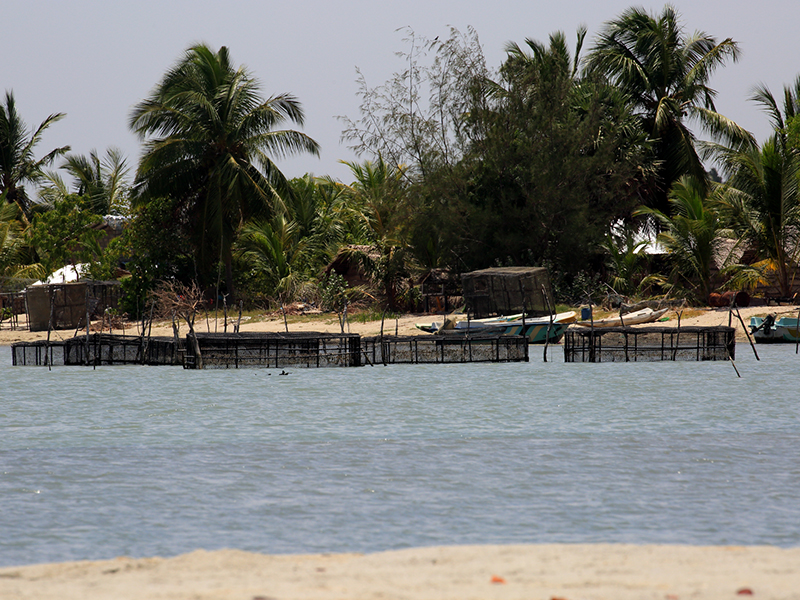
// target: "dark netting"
[[436, 349], [242, 350], [99, 349], [507, 290], [637, 344]]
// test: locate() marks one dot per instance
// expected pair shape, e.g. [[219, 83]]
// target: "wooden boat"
[[453, 321], [646, 315], [535, 329], [769, 330]]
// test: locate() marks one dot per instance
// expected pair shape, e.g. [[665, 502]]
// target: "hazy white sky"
[[94, 59]]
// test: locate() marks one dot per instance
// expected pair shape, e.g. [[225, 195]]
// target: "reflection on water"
[[158, 461]]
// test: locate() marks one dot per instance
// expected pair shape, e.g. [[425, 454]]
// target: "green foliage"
[[761, 201], [17, 256], [691, 237], [625, 260], [666, 74], [333, 292], [209, 137], [66, 234], [102, 181], [153, 248], [17, 163], [573, 289], [556, 159], [416, 119]]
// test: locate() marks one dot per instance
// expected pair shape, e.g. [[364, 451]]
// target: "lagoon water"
[[142, 461]]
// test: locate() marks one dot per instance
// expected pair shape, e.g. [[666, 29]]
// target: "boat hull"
[[785, 330], [646, 315], [535, 332]]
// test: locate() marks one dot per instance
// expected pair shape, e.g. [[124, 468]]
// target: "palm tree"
[[17, 257], [762, 198], [626, 260], [209, 141], [17, 163], [102, 181], [691, 236], [294, 246], [666, 74], [378, 193]]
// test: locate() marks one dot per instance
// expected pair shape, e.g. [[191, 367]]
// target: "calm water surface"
[[147, 461]]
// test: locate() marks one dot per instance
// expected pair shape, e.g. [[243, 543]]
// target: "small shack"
[[64, 305], [507, 290]]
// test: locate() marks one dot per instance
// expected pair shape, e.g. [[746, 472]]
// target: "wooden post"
[[383, 353], [734, 365], [549, 326], [47, 360], [87, 324], [677, 335], [747, 332], [797, 333], [174, 339]]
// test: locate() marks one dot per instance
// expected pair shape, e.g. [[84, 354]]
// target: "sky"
[[95, 59]]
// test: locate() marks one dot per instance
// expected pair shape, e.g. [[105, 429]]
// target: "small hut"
[[65, 305], [349, 265], [507, 290]]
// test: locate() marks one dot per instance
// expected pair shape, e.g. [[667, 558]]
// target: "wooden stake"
[[747, 331], [734, 365], [797, 333]]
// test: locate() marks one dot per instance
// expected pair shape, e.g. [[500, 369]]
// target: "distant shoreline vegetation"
[[587, 157]]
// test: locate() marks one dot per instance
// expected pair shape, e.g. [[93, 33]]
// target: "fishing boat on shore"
[[772, 330], [535, 329], [646, 315]]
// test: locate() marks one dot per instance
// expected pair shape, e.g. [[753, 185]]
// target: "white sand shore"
[[568, 571]]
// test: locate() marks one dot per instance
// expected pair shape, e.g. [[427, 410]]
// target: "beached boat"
[[646, 315], [454, 320], [535, 329], [769, 330]]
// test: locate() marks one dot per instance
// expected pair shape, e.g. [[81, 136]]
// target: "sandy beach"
[[403, 325], [564, 571]]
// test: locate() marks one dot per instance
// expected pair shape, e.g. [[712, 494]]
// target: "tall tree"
[[691, 236], [666, 74], [762, 199], [379, 194], [210, 139], [556, 159], [18, 165], [102, 180]]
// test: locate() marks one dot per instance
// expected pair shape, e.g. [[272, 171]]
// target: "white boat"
[[535, 329], [646, 315], [769, 330]]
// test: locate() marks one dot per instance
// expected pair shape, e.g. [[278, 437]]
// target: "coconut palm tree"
[[102, 181], [18, 165], [17, 256], [378, 194], [762, 196], [210, 139], [666, 75], [691, 236]]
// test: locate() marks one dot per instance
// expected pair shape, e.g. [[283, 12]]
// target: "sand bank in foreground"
[[579, 571]]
